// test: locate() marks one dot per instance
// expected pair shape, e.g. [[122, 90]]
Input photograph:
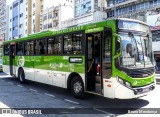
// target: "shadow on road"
[[115, 106]]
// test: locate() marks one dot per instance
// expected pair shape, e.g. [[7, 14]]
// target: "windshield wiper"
[[130, 34]]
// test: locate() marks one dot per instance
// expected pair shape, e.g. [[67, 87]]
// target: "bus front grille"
[[142, 73]]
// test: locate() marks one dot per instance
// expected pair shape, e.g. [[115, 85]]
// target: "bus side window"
[[29, 48], [73, 44], [19, 48], [77, 43], [54, 45], [40, 47], [6, 49], [67, 47]]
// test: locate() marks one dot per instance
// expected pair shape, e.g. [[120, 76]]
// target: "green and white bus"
[[112, 58]]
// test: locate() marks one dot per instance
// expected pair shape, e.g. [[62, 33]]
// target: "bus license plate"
[[145, 90]]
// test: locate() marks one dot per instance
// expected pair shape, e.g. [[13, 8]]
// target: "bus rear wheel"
[[21, 76], [77, 87]]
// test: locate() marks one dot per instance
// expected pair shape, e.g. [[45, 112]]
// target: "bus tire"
[[21, 76], [77, 87]]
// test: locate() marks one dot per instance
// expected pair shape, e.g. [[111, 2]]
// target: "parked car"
[[1, 65]]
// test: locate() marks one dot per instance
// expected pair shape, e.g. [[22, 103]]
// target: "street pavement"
[[40, 96]]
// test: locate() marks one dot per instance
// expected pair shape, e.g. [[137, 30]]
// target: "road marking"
[[33, 90], [10, 82], [49, 95], [71, 101], [19, 85], [105, 112]]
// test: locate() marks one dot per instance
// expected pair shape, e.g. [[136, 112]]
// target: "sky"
[[9, 1]]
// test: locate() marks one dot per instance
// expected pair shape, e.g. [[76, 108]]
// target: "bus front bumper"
[[122, 92]]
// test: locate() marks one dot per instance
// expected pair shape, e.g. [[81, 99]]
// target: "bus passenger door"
[[107, 63], [11, 58], [94, 76]]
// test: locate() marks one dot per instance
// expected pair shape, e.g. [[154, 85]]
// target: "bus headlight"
[[128, 84], [123, 82], [120, 80]]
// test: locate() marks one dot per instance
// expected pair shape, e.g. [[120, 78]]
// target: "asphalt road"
[[60, 102]]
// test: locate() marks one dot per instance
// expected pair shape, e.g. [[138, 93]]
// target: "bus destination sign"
[[135, 26]]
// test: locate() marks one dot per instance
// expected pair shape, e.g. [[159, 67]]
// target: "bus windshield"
[[136, 51]]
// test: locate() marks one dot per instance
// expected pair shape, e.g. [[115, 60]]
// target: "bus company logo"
[[21, 61]]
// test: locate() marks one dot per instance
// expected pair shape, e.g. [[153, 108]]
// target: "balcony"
[[123, 4]]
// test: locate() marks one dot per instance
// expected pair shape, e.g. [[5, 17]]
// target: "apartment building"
[[54, 12], [2, 23], [36, 9], [2, 20], [87, 11], [18, 21], [50, 3], [52, 17], [137, 9], [23, 18]]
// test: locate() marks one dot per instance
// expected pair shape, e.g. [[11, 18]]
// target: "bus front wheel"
[[21, 76], [77, 87]]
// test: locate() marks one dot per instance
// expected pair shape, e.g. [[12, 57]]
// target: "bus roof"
[[108, 23], [63, 31]]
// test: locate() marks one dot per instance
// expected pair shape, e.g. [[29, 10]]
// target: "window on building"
[[29, 48], [19, 48], [40, 47], [50, 16], [54, 45], [56, 14], [50, 25], [21, 1], [21, 15], [33, 5], [15, 5], [20, 26], [44, 17]]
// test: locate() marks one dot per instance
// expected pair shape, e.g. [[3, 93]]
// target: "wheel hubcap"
[[77, 87]]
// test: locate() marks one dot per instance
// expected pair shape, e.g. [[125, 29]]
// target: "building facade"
[[52, 17], [87, 11], [50, 3], [83, 7], [136, 9], [17, 19], [36, 9], [23, 18], [2, 21]]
